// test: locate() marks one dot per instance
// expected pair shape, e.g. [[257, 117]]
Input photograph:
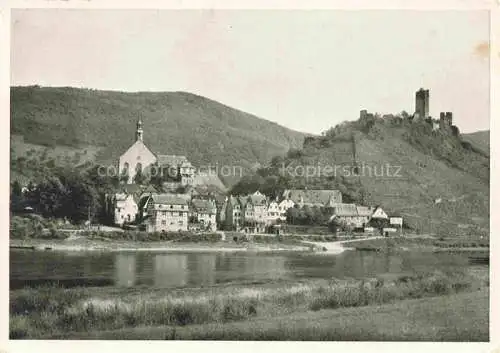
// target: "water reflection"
[[205, 269], [172, 270], [125, 270]]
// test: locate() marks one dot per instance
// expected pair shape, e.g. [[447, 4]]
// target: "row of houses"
[[250, 213], [157, 212], [255, 212]]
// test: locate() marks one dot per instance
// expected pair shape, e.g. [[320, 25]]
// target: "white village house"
[[204, 213], [125, 208]]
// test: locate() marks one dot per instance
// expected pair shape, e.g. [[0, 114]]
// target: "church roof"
[[134, 145], [170, 159]]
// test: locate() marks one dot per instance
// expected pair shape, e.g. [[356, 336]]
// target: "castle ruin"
[[445, 120], [422, 104]]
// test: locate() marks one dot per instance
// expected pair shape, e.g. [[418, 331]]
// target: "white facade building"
[[125, 209], [167, 213]]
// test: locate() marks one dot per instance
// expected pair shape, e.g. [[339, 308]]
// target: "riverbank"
[[53, 312], [82, 243], [422, 243], [255, 243]]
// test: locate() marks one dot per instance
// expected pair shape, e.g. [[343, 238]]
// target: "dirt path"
[[337, 247]]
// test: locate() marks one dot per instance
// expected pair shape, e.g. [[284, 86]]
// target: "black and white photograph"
[[249, 175]]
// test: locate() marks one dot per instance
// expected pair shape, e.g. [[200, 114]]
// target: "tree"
[[379, 223], [294, 153], [334, 225], [81, 198], [48, 197], [16, 197], [16, 189], [307, 215]]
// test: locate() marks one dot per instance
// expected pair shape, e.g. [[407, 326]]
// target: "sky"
[[305, 69]]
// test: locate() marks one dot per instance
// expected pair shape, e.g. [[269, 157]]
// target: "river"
[[180, 270]]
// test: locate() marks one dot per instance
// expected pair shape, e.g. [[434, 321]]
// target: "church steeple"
[[139, 132]]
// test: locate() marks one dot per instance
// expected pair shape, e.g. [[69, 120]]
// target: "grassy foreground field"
[[459, 317], [53, 312]]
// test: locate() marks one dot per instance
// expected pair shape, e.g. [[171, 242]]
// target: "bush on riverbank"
[[140, 236], [389, 244], [304, 230], [35, 227], [37, 313]]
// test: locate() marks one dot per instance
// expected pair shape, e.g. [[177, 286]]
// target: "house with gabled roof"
[[203, 213], [273, 212], [166, 213], [379, 213], [255, 211], [351, 215]]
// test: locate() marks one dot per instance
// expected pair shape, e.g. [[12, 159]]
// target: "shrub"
[[142, 236]]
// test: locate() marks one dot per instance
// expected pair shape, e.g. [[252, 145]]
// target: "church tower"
[[139, 132]]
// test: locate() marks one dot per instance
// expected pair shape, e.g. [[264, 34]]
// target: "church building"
[[139, 158]]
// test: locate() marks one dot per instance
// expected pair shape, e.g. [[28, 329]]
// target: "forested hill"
[[174, 123], [479, 139], [437, 179]]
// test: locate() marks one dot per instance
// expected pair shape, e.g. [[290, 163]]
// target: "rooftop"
[[315, 197], [205, 206], [170, 159], [170, 199], [346, 210]]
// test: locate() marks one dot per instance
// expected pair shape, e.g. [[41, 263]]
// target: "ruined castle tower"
[[422, 103], [445, 120]]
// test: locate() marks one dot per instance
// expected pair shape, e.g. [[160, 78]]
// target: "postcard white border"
[[206, 346]]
